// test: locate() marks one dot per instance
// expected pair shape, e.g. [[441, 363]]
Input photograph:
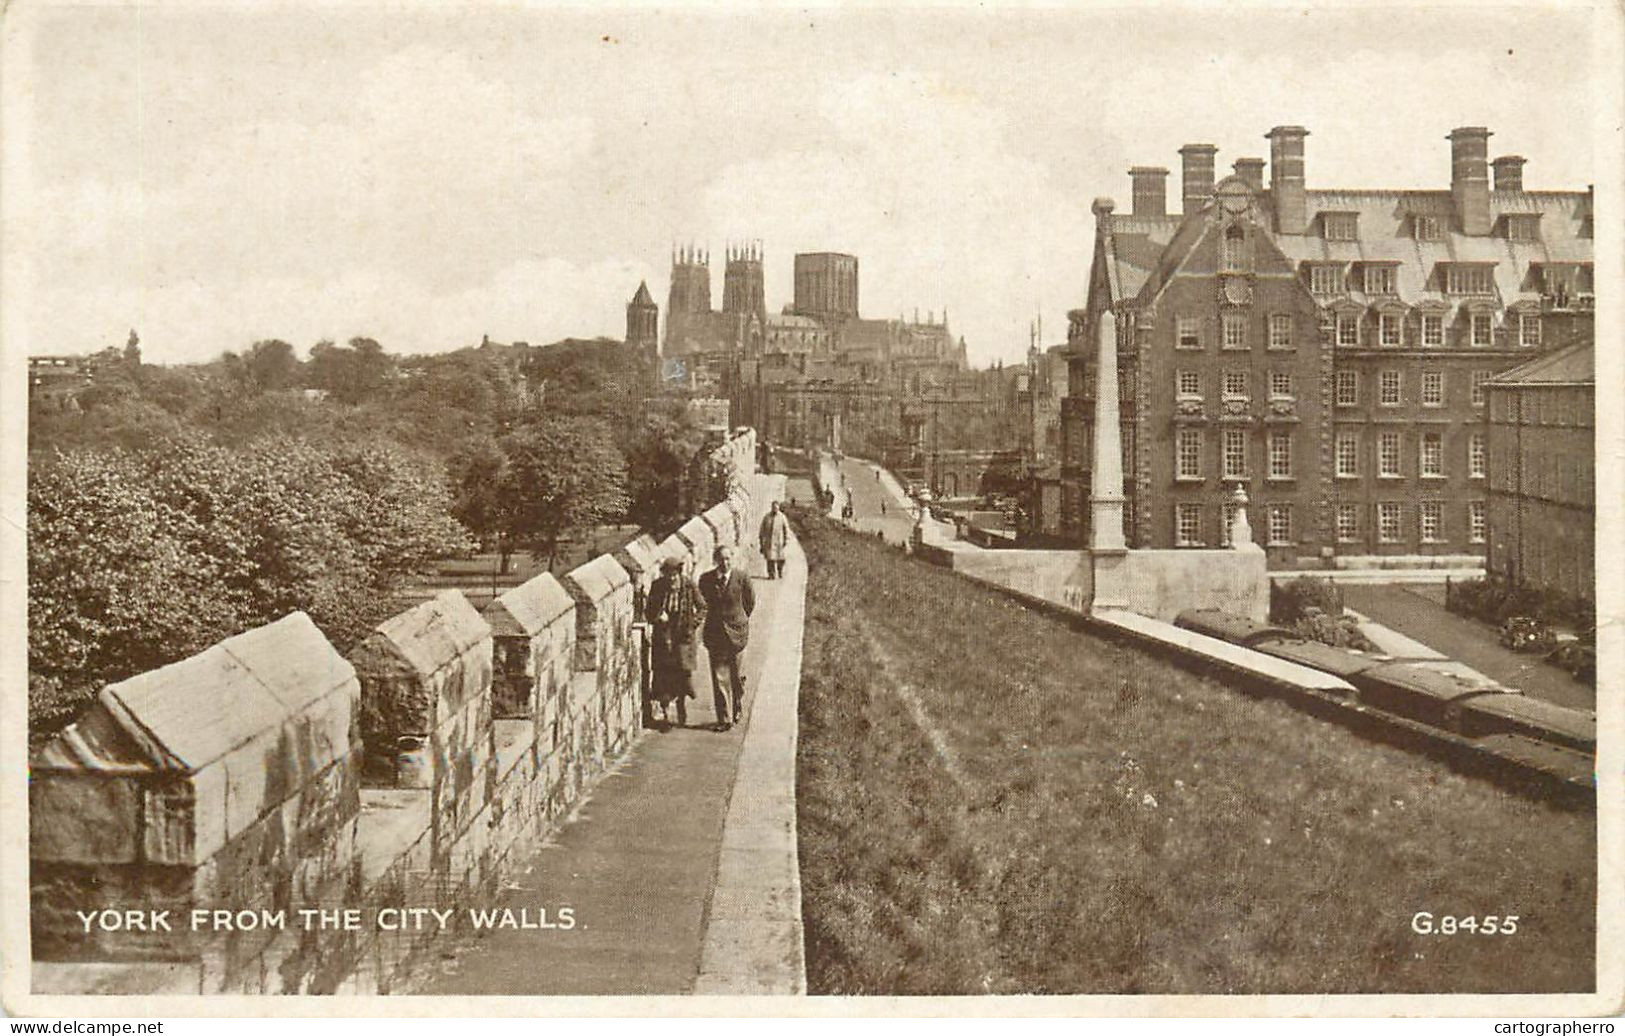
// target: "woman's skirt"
[[670, 682]]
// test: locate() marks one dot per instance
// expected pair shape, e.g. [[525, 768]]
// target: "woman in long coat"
[[675, 612]]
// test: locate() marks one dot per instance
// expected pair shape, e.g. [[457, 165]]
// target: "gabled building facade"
[[1326, 349]]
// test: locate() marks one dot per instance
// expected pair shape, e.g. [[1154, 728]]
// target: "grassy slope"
[[975, 808]]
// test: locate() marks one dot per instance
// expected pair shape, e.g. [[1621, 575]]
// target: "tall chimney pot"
[[1197, 169], [1287, 179], [1150, 190], [1251, 170], [1470, 178], [1508, 172]]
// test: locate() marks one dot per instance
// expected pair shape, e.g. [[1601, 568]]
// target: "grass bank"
[[993, 801]]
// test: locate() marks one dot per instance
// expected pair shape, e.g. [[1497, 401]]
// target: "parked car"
[[1579, 658], [1527, 633]]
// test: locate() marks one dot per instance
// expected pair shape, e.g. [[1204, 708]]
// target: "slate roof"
[[1575, 365], [1144, 252], [794, 320], [643, 298]]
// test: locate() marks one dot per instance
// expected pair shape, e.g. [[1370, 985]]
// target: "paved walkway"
[[638, 864], [1418, 612], [868, 493]]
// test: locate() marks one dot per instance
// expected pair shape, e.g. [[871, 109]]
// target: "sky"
[[427, 176]]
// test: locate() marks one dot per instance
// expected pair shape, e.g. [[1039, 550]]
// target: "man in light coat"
[[775, 537]]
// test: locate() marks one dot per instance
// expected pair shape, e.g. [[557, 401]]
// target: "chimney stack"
[[1508, 172], [1287, 179], [1251, 170], [1197, 189], [1470, 178], [1150, 190]]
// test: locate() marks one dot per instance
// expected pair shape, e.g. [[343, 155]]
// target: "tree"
[[272, 365], [658, 450], [563, 474], [352, 374], [113, 588], [132, 350], [482, 497], [141, 557]]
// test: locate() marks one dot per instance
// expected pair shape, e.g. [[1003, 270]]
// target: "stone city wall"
[[270, 774], [1058, 576], [1158, 584], [1162, 583]]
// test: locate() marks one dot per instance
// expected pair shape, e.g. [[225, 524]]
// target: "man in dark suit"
[[729, 600]]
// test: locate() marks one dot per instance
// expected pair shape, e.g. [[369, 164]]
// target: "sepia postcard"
[[719, 509]]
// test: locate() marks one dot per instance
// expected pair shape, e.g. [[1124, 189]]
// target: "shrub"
[[1495, 601], [1291, 601], [1313, 609], [1338, 631]]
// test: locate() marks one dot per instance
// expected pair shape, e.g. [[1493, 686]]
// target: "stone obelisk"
[[1108, 549]]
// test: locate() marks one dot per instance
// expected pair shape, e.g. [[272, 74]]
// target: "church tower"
[[643, 321], [690, 294], [742, 283]]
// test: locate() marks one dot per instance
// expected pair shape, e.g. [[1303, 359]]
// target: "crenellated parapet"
[[271, 774]]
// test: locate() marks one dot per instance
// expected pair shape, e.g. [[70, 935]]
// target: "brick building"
[[1326, 348], [1541, 503]]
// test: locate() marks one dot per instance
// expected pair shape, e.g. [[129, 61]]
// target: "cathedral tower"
[[690, 282], [742, 283], [690, 296]]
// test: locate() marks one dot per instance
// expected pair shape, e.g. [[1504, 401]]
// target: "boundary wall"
[[277, 780]]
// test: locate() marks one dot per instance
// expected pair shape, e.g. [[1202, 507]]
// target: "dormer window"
[[1522, 226], [1563, 284], [1381, 279], [1326, 279], [1470, 279], [1426, 228], [1340, 226]]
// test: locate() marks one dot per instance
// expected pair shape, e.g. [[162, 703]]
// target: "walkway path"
[[638, 864], [868, 493], [1418, 613]]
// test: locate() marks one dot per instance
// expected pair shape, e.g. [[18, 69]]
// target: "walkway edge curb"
[[753, 932]]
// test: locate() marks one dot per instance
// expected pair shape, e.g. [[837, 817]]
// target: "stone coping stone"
[[1223, 652], [595, 580], [529, 608], [700, 539], [723, 523], [1391, 641], [674, 547], [435, 633], [640, 556], [190, 714]]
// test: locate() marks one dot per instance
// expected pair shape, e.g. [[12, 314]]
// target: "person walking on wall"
[[775, 536], [675, 612], [729, 600]]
